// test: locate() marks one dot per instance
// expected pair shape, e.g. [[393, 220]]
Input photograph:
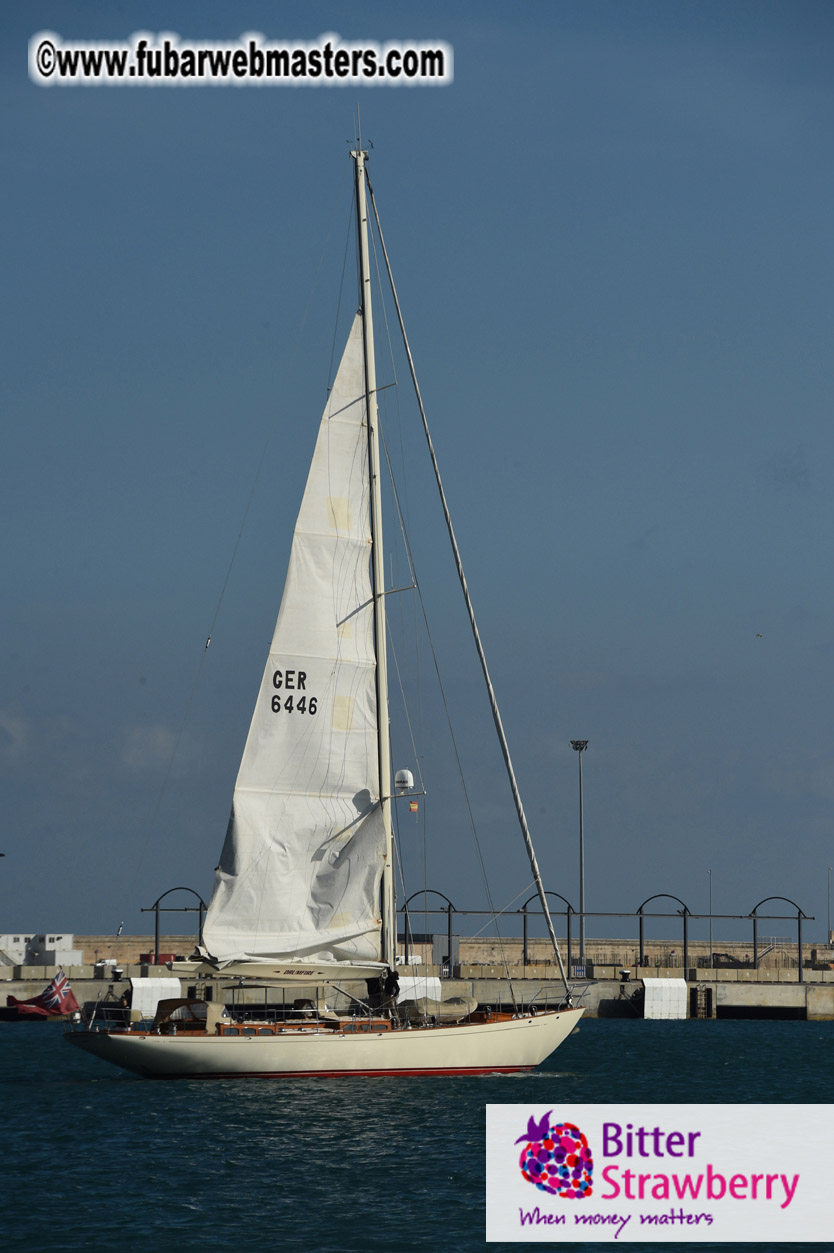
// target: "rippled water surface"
[[95, 1159]]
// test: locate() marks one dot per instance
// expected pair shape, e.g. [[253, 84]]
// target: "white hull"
[[471, 1048]]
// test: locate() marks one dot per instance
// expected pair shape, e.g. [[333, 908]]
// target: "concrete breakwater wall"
[[738, 993], [774, 952], [714, 994], [495, 975]]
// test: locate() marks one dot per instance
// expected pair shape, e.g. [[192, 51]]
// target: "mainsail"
[[299, 876]]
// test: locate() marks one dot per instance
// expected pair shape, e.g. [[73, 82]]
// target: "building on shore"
[[41, 949]]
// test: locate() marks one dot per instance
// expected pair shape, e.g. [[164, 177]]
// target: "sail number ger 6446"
[[292, 682]]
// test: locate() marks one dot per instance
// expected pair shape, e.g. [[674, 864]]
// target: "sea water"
[[96, 1159]]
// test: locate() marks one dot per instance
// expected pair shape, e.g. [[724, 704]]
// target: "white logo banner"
[[684, 1173]]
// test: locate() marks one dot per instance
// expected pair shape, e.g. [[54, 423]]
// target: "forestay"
[[301, 866]]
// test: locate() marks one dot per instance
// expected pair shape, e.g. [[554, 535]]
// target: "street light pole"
[[579, 747], [828, 933]]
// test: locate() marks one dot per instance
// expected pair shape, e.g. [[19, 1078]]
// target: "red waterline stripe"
[[350, 1074]]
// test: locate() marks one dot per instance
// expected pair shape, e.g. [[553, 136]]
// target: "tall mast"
[[389, 929]]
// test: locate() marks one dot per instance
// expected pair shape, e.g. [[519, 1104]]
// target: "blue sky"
[[612, 241]]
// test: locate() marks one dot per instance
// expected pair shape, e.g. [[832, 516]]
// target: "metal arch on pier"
[[685, 911], [568, 912], [157, 908], [450, 909], [800, 914]]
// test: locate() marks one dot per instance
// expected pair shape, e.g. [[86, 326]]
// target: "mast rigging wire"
[[464, 587]]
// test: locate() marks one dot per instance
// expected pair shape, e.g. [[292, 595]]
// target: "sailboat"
[[304, 892]]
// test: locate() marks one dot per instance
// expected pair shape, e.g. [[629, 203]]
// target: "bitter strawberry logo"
[[557, 1158]]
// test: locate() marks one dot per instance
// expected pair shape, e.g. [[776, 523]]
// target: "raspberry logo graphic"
[[556, 1158]]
